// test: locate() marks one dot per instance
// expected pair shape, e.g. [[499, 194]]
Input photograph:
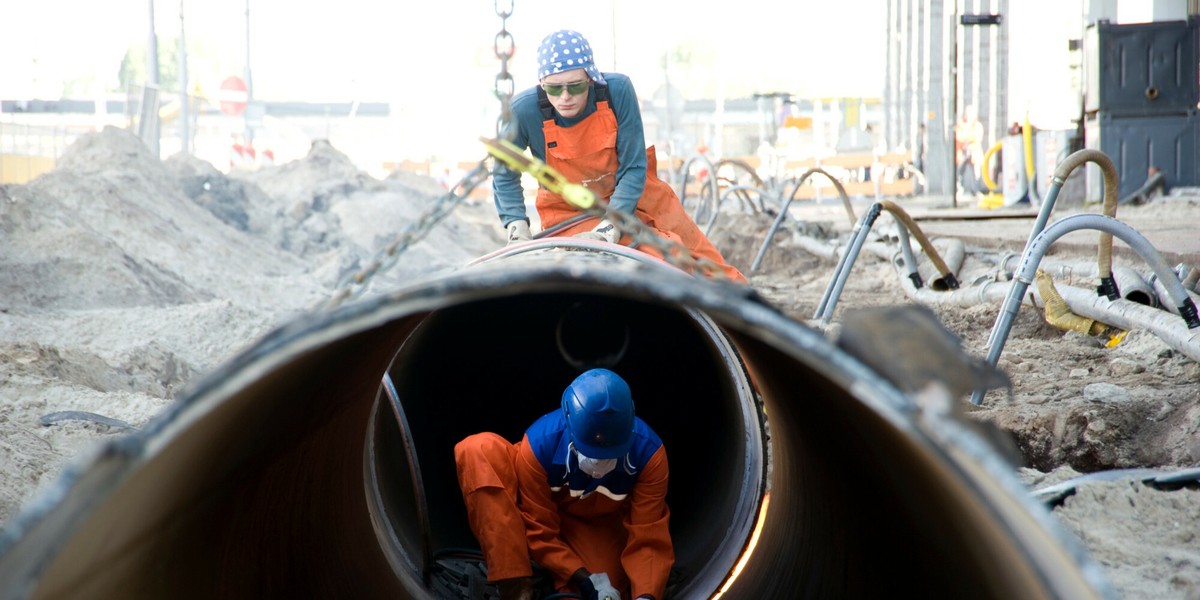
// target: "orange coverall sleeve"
[[649, 554], [542, 522]]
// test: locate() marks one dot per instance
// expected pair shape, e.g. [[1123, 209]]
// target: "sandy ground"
[[123, 277]]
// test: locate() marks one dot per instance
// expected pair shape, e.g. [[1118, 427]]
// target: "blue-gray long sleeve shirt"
[[631, 147]]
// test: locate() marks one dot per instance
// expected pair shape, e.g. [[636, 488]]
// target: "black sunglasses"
[[575, 88]]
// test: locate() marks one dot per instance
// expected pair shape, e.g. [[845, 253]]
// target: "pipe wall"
[[282, 473]]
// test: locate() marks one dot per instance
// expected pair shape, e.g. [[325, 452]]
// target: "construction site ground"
[[124, 277]]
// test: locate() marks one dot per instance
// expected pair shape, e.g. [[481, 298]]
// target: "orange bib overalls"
[[587, 153]]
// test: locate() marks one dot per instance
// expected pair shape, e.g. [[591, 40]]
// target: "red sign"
[[233, 96]]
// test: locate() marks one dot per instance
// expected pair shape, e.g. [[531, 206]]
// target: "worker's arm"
[[541, 516], [507, 192], [649, 554], [631, 145]]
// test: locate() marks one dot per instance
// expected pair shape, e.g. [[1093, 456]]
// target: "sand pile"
[[122, 277]]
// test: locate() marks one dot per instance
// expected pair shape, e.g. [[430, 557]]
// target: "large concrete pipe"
[[796, 471]]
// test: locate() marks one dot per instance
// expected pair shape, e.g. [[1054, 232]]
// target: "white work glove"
[[518, 231], [604, 232], [598, 587]]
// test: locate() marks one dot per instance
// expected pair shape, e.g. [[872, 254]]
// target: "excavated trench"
[[291, 471]]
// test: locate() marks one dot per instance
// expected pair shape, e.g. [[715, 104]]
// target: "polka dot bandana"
[[566, 50]]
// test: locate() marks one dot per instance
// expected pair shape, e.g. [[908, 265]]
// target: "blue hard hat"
[[599, 412]]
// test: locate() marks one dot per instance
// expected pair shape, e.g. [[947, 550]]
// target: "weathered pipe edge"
[[252, 482]]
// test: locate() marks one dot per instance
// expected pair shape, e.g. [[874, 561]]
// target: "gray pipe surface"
[[1123, 314], [287, 472], [1037, 248], [841, 272], [952, 254], [1133, 286], [762, 250]]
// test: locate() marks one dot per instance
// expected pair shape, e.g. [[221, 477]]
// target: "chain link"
[[673, 252], [355, 285], [504, 46]]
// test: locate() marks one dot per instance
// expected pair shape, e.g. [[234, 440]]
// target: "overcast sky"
[[408, 52], [433, 60], [389, 50]]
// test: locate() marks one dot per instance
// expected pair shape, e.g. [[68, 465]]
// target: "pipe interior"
[[499, 365]]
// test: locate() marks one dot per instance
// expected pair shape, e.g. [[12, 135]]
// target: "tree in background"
[[133, 71]]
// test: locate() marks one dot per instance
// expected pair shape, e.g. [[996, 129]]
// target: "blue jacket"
[[550, 442]]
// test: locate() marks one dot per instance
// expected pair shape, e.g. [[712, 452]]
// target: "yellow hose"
[[907, 222], [987, 157], [1030, 174], [1109, 170], [1059, 314]]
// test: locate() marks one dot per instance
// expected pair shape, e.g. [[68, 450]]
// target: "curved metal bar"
[[1033, 257], [836, 184], [1108, 285], [418, 499], [712, 179], [910, 262], [842, 272], [738, 164], [762, 249], [740, 190], [949, 279]]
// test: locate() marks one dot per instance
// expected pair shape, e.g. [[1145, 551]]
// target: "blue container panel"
[[1136, 143], [1143, 68]]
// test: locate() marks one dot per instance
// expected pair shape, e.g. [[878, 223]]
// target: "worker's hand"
[[518, 231], [598, 587], [604, 232]]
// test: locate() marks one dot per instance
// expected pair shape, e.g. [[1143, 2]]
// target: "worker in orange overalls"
[[583, 494], [588, 127]]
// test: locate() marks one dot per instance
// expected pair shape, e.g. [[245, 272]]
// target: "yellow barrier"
[[17, 168], [992, 199]]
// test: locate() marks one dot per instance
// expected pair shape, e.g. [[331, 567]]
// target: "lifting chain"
[[356, 284], [503, 47]]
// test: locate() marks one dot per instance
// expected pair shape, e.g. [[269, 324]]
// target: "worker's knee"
[[484, 460], [481, 445]]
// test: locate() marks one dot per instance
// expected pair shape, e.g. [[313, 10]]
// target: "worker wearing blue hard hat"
[[583, 494]]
